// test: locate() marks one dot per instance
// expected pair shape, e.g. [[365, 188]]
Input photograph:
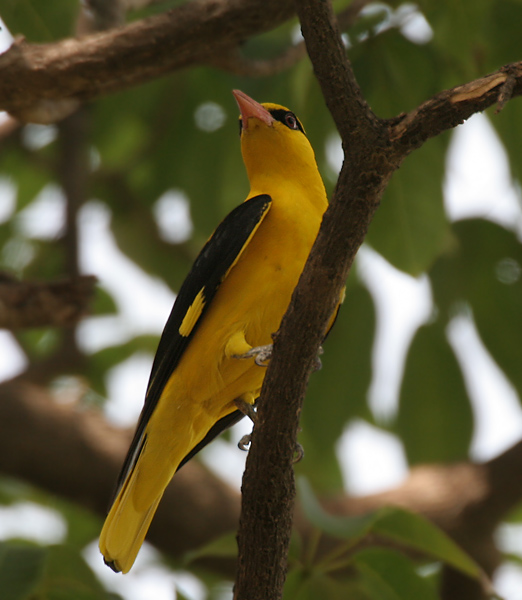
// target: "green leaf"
[[104, 303], [224, 546], [459, 36], [310, 584], [410, 228], [435, 419], [38, 343], [40, 21], [395, 74], [377, 587], [500, 29], [67, 576], [21, 568], [416, 532], [397, 571], [409, 529], [484, 270], [353, 529]]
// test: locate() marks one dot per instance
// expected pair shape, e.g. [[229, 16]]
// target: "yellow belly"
[[252, 300]]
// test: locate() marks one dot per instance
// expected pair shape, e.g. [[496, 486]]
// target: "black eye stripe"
[[280, 114]]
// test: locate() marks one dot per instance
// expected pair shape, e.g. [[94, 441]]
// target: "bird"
[[206, 374]]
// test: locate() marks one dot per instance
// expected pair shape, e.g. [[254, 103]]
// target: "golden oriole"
[[232, 301]]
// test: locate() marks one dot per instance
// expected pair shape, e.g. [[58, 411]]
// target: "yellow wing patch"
[[192, 315]]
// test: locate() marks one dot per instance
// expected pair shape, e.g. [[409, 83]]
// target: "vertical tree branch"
[[268, 483]]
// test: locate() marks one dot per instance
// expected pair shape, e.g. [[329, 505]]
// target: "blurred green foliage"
[[180, 134]]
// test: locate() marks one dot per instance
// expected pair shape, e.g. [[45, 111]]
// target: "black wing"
[[218, 255]]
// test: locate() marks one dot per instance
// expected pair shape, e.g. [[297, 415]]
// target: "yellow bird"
[[234, 298]]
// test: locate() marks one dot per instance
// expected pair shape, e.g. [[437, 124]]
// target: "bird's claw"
[[244, 442], [260, 354], [298, 452], [247, 409]]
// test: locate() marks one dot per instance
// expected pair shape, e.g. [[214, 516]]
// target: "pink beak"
[[250, 108]]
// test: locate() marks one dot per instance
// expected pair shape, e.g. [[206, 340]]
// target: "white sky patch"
[[7, 198], [6, 39], [172, 215], [144, 302], [375, 8], [31, 521], [147, 580], [403, 304], [127, 385], [495, 403], [13, 361], [478, 180], [413, 24], [17, 253], [296, 35], [210, 117], [372, 460], [36, 137], [509, 538], [44, 218], [508, 580], [334, 153]]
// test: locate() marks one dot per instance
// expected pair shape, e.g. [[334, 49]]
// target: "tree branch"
[[452, 107], [81, 69], [26, 304], [268, 483]]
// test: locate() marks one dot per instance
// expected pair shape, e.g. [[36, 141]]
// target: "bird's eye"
[[291, 121], [240, 125]]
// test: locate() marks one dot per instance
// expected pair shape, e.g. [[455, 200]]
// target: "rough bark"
[[37, 76]]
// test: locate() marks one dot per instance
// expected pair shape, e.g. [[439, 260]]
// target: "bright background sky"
[[477, 184]]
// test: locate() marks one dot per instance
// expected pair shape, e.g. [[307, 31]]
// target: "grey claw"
[[299, 453], [260, 354], [244, 442]]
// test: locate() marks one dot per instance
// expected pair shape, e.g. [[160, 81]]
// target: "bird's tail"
[[126, 526], [132, 511]]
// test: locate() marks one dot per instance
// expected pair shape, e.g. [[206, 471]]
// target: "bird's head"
[[273, 141]]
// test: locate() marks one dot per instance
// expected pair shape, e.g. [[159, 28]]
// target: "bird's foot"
[[247, 409], [260, 354], [298, 453], [244, 442]]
